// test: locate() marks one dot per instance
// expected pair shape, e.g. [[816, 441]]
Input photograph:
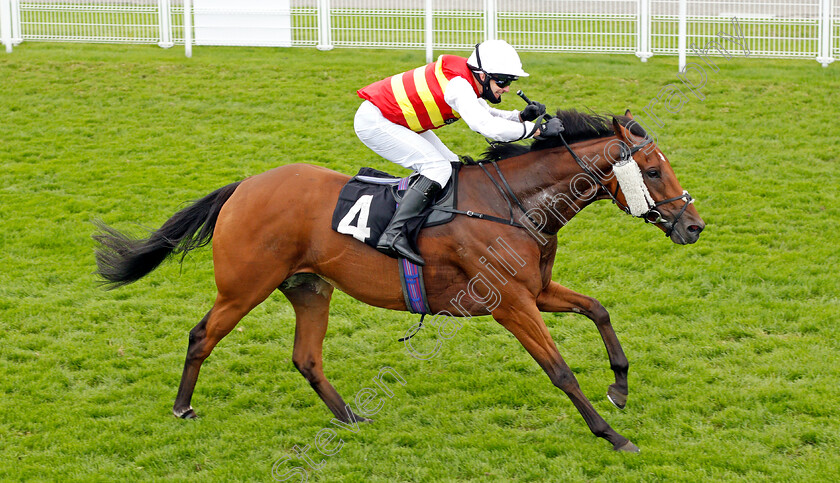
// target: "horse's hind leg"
[[219, 321], [557, 298], [310, 296]]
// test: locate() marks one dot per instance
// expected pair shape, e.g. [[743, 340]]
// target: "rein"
[[626, 154], [651, 215]]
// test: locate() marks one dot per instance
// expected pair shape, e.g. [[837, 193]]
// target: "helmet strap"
[[486, 91]]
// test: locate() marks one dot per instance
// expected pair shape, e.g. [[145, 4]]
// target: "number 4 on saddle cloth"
[[366, 205]]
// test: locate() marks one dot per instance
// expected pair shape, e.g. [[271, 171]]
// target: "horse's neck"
[[551, 183]]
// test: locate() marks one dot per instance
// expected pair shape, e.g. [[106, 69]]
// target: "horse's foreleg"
[[557, 298], [310, 296], [527, 325]]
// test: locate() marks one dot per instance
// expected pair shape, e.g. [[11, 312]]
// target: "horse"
[[272, 232]]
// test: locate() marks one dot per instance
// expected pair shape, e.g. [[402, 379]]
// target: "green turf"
[[733, 342]]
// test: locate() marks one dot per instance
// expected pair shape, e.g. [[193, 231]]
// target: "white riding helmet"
[[496, 57]]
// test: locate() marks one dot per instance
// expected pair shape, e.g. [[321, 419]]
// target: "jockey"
[[399, 112]]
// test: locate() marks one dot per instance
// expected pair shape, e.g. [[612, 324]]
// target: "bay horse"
[[272, 231]]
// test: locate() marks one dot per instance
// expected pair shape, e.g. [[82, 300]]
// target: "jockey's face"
[[495, 89], [498, 91]]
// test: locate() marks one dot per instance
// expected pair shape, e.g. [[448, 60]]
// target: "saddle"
[[368, 201]]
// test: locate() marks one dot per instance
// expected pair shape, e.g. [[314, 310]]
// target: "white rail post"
[[188, 28], [824, 56], [324, 26], [6, 24], [165, 23], [17, 36], [644, 52], [683, 13], [489, 19], [429, 36]]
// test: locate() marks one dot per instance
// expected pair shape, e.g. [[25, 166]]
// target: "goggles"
[[502, 80]]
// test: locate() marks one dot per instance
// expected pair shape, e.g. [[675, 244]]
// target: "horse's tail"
[[121, 260]]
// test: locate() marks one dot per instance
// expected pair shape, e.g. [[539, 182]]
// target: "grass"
[[733, 342]]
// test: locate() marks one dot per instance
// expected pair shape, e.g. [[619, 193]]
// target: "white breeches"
[[422, 152]]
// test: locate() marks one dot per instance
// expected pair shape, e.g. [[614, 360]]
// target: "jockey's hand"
[[532, 111], [552, 128]]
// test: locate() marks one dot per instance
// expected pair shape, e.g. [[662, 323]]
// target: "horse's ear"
[[619, 130], [628, 114]]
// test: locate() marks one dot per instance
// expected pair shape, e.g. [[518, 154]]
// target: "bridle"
[[652, 215]]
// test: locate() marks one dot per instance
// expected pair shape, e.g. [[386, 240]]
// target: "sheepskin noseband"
[[635, 191]]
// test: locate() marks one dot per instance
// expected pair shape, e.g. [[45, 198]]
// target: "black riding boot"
[[393, 241]]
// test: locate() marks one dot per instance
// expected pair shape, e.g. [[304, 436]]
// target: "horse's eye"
[[652, 173]]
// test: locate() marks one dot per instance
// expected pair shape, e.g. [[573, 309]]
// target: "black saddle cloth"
[[368, 201]]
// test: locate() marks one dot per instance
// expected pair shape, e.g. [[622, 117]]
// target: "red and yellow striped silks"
[[414, 99]]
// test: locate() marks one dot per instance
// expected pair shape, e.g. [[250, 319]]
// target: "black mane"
[[578, 126]]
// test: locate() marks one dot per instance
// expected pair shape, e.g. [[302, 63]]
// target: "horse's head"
[[648, 188]]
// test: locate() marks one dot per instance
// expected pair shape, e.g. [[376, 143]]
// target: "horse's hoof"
[[627, 447], [188, 414], [618, 399]]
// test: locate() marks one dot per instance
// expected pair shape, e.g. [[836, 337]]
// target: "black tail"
[[121, 260]]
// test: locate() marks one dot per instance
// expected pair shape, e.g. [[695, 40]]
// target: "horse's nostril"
[[695, 229]]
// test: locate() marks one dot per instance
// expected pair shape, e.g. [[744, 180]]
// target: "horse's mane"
[[579, 126]]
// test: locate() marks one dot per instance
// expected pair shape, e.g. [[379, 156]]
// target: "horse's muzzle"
[[687, 231]]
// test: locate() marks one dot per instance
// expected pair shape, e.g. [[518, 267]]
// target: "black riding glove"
[[552, 128], [532, 111]]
